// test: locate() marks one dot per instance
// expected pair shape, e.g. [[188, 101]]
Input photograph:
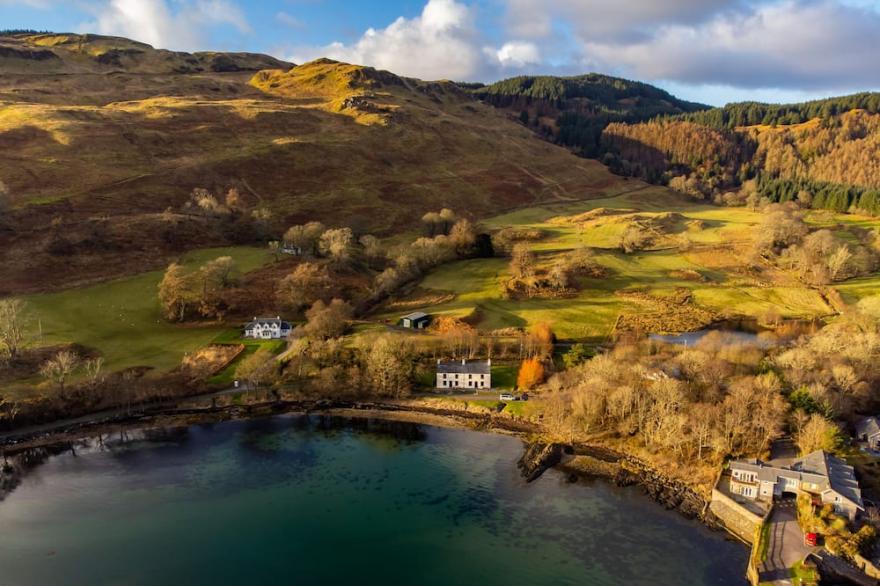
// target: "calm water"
[[730, 338], [294, 500]]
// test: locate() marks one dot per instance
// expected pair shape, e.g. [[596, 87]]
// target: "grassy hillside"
[[694, 274], [117, 152], [65, 53]]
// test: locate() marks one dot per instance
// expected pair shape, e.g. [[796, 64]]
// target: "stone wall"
[[736, 518]]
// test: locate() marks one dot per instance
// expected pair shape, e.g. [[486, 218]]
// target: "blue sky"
[[713, 51]]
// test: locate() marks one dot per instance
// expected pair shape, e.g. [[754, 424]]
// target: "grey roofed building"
[[417, 320], [464, 366], [464, 374], [868, 431], [818, 473]]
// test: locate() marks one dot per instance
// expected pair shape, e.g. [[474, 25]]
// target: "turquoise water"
[[298, 500]]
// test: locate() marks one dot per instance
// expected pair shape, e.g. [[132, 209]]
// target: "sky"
[[709, 51]]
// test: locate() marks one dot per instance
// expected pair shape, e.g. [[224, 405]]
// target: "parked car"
[[524, 397], [507, 397]]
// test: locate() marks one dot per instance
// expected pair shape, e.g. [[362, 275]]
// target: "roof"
[[416, 315], [841, 475], [867, 426], [268, 321], [819, 467], [464, 367]]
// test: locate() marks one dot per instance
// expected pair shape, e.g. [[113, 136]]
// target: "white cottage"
[[464, 374], [267, 328]]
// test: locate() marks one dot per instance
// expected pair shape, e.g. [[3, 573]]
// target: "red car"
[[811, 539]]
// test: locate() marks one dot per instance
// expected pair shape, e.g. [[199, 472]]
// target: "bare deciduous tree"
[[13, 326], [58, 368]]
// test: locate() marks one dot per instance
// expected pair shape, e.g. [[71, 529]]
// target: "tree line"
[[580, 107], [754, 113], [834, 160]]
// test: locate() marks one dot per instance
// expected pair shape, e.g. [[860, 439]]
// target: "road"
[[786, 546]]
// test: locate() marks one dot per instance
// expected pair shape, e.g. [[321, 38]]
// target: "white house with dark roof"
[[868, 431], [826, 478], [267, 328], [464, 374]]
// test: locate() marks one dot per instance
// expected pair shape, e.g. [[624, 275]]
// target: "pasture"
[[698, 254], [122, 320]]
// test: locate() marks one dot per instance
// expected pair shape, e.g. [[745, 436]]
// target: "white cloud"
[[600, 19], [519, 54], [789, 44], [442, 42], [182, 27]]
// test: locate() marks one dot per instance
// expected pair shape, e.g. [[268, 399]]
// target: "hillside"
[[573, 111], [826, 153], [81, 54], [103, 141]]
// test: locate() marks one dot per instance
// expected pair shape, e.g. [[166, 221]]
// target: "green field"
[[233, 336], [121, 319], [688, 258]]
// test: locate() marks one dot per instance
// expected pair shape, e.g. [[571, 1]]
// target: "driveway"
[[786, 546]]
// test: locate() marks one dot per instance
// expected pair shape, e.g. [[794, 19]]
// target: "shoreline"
[[579, 462]]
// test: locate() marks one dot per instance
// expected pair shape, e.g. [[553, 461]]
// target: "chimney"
[[463, 361], [489, 362], [438, 361]]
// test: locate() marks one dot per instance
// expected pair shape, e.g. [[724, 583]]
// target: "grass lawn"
[[591, 314], [121, 319], [504, 376], [233, 336], [802, 575]]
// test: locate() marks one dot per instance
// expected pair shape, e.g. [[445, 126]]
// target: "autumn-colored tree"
[[539, 341], [431, 220], [305, 285], [233, 199], [463, 236], [447, 217], [374, 252], [531, 374], [522, 261], [389, 364], [305, 237], [337, 244], [176, 292], [817, 434], [326, 320]]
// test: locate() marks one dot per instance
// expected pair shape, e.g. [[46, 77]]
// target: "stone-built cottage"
[[416, 320], [464, 374], [267, 328], [868, 431], [826, 478]]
